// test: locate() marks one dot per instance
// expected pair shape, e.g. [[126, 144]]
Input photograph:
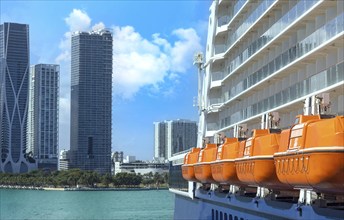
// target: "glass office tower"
[[14, 78], [91, 101]]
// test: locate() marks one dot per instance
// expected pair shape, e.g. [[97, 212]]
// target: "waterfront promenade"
[[82, 188]]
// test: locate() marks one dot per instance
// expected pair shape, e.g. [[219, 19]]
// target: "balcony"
[[211, 129], [216, 79], [219, 48], [222, 24]]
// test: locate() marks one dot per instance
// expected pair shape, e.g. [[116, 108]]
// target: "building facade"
[[159, 139], [174, 136], [64, 160], [271, 56], [91, 101], [42, 128], [140, 167], [117, 156], [14, 79]]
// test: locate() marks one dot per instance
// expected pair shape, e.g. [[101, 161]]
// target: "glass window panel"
[[285, 95], [340, 72], [272, 102], [266, 104]]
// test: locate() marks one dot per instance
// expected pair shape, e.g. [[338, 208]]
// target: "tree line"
[[77, 177]]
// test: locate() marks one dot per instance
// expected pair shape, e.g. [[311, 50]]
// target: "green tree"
[[106, 179]]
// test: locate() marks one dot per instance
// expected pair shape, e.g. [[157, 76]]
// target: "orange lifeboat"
[[189, 160], [223, 169], [313, 155], [202, 168], [256, 166]]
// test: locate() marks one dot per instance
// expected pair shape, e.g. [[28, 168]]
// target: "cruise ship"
[[271, 106]]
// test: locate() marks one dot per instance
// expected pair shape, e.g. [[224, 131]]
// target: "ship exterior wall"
[[267, 56]]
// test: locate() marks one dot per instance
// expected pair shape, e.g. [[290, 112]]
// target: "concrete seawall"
[[79, 188]]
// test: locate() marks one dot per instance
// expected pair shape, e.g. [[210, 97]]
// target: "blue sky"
[[154, 43]]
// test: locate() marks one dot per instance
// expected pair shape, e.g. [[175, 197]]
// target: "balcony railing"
[[215, 76], [275, 30], [319, 81], [224, 20], [219, 48], [321, 35]]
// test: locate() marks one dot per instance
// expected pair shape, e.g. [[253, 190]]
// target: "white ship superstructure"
[[266, 62], [270, 56]]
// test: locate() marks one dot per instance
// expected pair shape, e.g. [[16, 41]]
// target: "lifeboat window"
[[212, 214], [217, 215], [230, 217], [296, 133], [221, 216], [296, 121], [225, 216]]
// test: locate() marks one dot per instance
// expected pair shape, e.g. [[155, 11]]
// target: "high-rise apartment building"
[[174, 136], [160, 140], [91, 101], [14, 78], [42, 136]]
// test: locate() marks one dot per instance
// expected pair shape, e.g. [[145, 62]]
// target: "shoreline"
[[80, 188]]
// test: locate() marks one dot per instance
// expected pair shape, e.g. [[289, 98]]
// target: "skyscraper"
[[42, 134], [160, 139], [174, 136], [91, 101], [14, 75]]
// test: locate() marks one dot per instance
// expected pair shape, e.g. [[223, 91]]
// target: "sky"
[[153, 47]]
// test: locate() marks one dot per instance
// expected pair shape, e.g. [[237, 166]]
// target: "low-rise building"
[[141, 167], [64, 160]]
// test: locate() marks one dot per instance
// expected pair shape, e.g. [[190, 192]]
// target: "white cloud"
[[139, 62], [98, 26], [78, 20], [183, 50]]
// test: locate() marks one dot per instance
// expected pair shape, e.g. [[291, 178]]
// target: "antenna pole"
[[198, 61]]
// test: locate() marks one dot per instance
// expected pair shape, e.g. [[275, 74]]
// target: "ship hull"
[[213, 205]]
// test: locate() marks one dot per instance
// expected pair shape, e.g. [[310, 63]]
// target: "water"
[[56, 205]]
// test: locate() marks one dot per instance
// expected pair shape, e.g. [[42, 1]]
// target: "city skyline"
[[155, 76]]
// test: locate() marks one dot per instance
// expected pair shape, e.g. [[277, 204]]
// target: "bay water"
[[70, 205]]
